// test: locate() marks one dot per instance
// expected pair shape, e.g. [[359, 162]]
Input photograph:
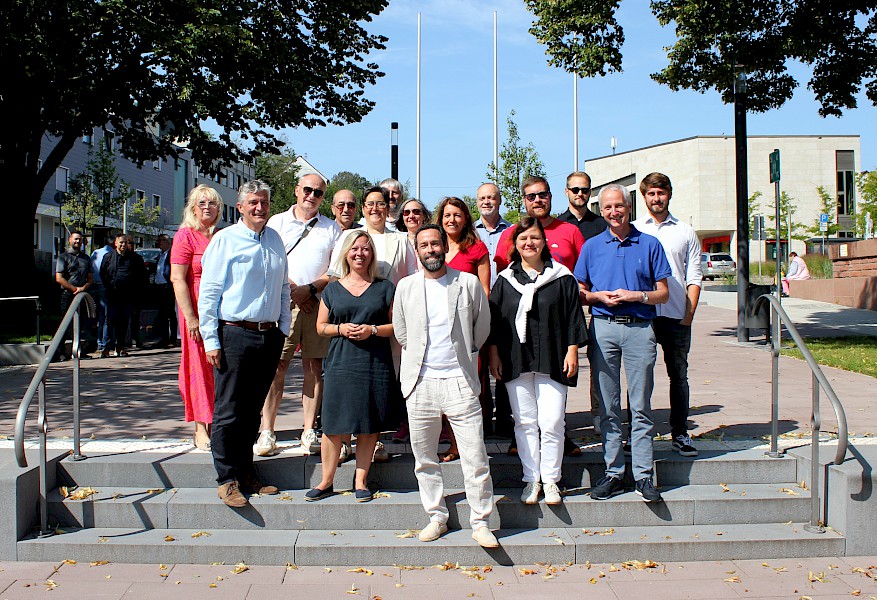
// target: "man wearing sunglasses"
[[344, 209], [578, 192], [308, 238]]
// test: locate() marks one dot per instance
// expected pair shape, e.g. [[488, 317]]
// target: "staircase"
[[161, 507]]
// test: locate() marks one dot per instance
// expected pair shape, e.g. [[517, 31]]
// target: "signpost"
[[823, 227], [775, 180]]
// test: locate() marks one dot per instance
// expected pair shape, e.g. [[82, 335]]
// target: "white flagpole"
[[575, 121], [495, 105], [417, 159]]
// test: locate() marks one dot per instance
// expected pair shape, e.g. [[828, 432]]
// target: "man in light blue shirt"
[[244, 318], [99, 294]]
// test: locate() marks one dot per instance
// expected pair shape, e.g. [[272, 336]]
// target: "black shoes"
[[607, 487], [646, 489]]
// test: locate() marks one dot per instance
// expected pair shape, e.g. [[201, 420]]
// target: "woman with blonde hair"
[[360, 387], [200, 217]]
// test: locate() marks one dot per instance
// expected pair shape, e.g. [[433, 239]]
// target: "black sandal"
[[318, 494]]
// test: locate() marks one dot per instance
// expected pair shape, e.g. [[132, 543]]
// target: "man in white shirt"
[[673, 323], [309, 239], [441, 319]]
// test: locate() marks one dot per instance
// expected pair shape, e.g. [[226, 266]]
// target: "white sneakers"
[[531, 491], [552, 494], [530, 495], [344, 454], [266, 445], [433, 531], [485, 537], [381, 455], [309, 440]]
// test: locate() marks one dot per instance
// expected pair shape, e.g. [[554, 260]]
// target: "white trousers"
[[453, 398], [539, 407]]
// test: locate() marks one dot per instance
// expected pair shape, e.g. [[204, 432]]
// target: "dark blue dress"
[[360, 390]]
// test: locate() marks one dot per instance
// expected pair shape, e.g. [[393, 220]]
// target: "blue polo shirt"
[[634, 263]]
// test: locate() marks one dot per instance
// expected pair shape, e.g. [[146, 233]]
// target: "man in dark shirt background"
[[73, 274], [578, 192], [123, 276]]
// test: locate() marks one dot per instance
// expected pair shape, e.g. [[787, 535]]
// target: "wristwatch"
[[645, 298], [312, 289], [374, 330]]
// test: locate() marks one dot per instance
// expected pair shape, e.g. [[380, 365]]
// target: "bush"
[[819, 266]]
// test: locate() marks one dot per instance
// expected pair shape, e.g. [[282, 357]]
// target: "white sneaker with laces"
[[266, 445], [344, 455], [552, 494], [530, 495], [309, 441]]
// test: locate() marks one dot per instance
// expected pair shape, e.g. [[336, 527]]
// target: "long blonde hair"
[[343, 266], [199, 191]]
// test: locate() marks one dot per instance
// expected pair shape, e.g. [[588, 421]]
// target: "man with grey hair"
[[244, 317], [397, 194], [623, 274]]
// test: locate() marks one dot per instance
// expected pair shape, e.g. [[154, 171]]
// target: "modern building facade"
[[703, 173]]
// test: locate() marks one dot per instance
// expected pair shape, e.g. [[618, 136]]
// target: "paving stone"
[[188, 591]]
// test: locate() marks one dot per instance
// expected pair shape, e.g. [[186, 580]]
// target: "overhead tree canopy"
[[162, 70], [837, 40]]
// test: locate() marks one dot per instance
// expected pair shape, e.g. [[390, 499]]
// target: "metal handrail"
[[818, 380], [37, 304], [38, 385]]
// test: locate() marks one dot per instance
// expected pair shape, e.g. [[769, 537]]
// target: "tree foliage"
[[866, 183], [280, 171], [789, 227], [97, 192], [161, 71], [517, 162], [828, 206], [835, 39]]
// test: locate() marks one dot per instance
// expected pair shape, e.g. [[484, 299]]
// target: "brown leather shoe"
[[230, 493], [252, 485]]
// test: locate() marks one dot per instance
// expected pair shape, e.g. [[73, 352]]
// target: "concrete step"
[[401, 547], [195, 469], [179, 508]]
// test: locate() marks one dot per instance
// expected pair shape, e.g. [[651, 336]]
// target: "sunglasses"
[[544, 195], [348, 205], [577, 190], [318, 193], [412, 211]]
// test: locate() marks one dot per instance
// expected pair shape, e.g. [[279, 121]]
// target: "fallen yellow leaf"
[[170, 538], [814, 578], [99, 563], [67, 561], [527, 571], [734, 579], [240, 568], [408, 534], [198, 534], [360, 570], [213, 585], [789, 492], [82, 493]]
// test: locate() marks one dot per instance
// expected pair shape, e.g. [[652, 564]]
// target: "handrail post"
[[775, 341], [77, 348], [39, 309], [43, 475], [814, 526]]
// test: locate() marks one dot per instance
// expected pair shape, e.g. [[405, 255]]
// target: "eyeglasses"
[[372, 204], [411, 211], [348, 205], [543, 195], [577, 190], [207, 204], [318, 193]]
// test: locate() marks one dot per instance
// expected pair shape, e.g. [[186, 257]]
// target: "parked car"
[[150, 259], [717, 264]]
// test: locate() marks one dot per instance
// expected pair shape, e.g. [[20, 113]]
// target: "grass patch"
[[856, 353]]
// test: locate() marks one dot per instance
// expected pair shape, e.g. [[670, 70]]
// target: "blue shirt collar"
[[632, 236]]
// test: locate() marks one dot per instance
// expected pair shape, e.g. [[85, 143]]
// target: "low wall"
[[856, 292], [856, 259]]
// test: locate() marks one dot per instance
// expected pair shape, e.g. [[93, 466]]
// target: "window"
[[156, 164], [62, 175], [156, 200], [87, 139], [846, 188], [139, 195], [36, 233], [225, 213], [109, 140]]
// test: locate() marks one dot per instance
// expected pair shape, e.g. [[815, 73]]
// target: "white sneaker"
[[552, 494], [344, 455], [485, 537], [266, 445], [433, 531], [309, 440], [530, 495], [381, 455]]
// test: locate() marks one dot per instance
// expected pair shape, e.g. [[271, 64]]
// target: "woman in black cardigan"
[[537, 328]]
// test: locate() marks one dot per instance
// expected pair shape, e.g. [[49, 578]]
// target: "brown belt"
[[251, 325]]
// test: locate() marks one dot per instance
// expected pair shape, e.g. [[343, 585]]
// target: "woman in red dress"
[[466, 252], [196, 375]]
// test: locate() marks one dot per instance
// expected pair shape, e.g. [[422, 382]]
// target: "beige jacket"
[[469, 316]]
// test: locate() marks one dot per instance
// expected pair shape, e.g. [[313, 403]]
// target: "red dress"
[[196, 374], [467, 260]]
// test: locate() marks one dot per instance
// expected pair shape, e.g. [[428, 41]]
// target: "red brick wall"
[[856, 259]]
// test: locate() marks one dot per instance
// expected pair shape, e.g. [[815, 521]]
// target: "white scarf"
[[527, 291]]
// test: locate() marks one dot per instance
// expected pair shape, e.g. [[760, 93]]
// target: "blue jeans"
[[99, 294], [675, 341], [634, 345]]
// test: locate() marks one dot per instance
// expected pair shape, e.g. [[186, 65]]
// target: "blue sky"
[[457, 101]]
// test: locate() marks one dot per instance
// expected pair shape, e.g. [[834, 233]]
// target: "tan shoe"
[[252, 484], [485, 538], [433, 531], [230, 493]]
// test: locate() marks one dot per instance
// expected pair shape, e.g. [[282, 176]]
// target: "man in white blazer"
[[441, 318]]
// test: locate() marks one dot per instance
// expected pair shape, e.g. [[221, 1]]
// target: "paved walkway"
[[134, 402]]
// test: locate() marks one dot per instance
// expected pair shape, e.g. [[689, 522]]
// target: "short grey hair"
[[614, 187], [256, 186], [391, 183]]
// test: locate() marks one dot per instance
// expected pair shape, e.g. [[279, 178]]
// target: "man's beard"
[[433, 263]]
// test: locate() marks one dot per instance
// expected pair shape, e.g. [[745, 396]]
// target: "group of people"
[[399, 318]]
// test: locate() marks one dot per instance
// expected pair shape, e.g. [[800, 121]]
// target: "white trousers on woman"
[[539, 407]]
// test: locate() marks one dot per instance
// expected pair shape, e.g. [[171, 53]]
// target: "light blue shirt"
[[244, 278], [159, 267], [96, 258], [491, 240]]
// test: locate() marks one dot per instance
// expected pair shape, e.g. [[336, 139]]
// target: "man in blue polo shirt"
[[623, 274]]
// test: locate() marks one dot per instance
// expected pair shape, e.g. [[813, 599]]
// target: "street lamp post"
[[742, 166]]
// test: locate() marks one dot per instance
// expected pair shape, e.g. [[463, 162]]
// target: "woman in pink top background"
[[200, 217]]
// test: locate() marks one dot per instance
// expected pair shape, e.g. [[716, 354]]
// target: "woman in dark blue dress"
[[360, 388]]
